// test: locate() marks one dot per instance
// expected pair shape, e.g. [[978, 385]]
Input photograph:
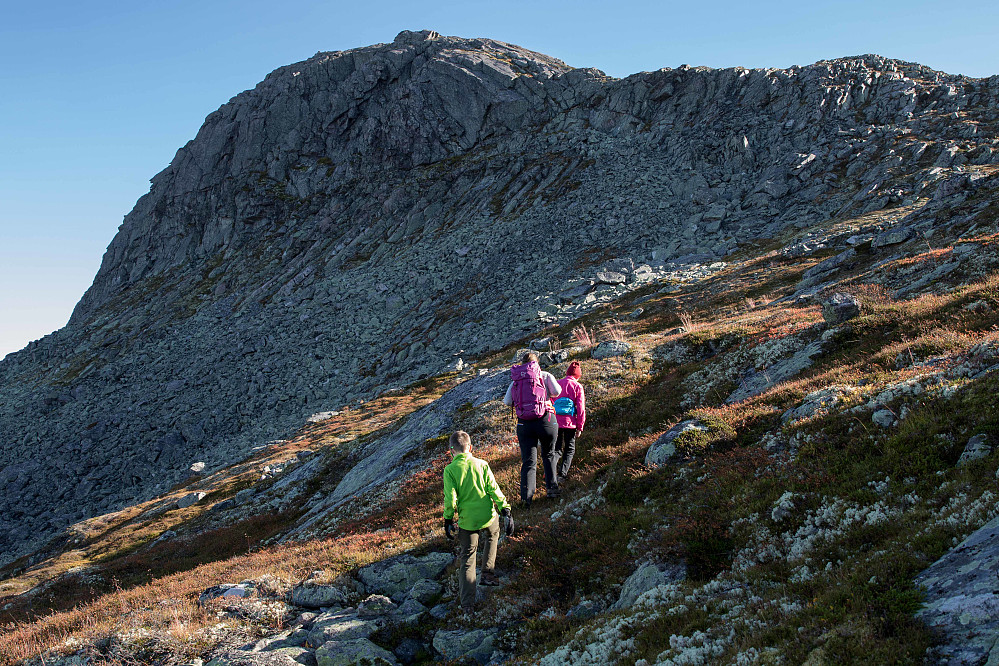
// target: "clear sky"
[[97, 96]]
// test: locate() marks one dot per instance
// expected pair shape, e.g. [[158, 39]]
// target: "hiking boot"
[[489, 579], [554, 493], [526, 503]]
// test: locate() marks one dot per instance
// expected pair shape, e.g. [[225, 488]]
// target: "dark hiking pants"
[[468, 544], [532, 434], [565, 448]]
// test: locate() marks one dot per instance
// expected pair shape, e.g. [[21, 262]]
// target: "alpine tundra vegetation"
[[781, 285]]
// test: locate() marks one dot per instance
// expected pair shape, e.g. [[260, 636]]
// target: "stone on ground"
[[352, 652], [394, 577], [610, 348], [840, 308]]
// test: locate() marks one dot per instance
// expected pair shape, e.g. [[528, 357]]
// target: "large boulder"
[[840, 308], [396, 576]]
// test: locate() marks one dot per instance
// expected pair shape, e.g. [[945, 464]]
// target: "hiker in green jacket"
[[470, 487]]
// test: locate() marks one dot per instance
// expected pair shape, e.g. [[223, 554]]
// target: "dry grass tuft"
[[583, 337], [613, 330]]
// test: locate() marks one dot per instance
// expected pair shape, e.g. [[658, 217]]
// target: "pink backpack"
[[530, 397]]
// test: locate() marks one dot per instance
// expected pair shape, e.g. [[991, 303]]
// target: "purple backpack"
[[530, 397]]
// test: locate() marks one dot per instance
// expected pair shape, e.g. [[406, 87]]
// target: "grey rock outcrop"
[[754, 382], [358, 218], [962, 603]]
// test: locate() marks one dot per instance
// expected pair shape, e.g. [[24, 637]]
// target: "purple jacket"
[[574, 390]]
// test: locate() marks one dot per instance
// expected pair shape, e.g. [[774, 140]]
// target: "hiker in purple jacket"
[[570, 413], [530, 393]]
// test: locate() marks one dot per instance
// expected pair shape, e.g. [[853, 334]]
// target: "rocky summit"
[[365, 218]]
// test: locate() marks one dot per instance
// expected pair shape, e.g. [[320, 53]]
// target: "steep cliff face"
[[362, 218]]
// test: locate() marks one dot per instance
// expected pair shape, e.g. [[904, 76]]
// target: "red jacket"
[[574, 390]]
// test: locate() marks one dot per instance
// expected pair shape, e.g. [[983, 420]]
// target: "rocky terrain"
[[365, 220]]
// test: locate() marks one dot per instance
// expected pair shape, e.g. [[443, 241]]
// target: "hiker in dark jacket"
[[570, 413], [471, 489], [531, 393]]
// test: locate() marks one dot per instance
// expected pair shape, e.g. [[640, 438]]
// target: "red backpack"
[[530, 397]]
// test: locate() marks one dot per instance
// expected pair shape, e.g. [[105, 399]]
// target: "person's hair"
[[529, 357], [460, 441]]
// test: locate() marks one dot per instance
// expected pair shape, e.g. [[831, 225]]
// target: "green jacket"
[[470, 487]]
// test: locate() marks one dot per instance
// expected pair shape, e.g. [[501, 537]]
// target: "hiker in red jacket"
[[570, 413], [530, 393]]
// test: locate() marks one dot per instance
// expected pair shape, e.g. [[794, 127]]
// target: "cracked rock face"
[[360, 218]]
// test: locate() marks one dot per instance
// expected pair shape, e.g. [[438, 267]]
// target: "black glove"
[[508, 517], [449, 528]]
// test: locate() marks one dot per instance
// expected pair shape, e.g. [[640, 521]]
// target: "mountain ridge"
[[334, 233]]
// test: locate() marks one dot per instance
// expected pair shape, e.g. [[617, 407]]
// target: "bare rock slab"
[[962, 600]]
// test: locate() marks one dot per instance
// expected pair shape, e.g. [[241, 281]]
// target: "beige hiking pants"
[[468, 545]]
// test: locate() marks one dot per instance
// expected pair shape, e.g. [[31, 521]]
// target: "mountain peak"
[[416, 38], [359, 218]]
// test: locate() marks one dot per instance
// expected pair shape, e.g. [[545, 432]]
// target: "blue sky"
[[96, 96]]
